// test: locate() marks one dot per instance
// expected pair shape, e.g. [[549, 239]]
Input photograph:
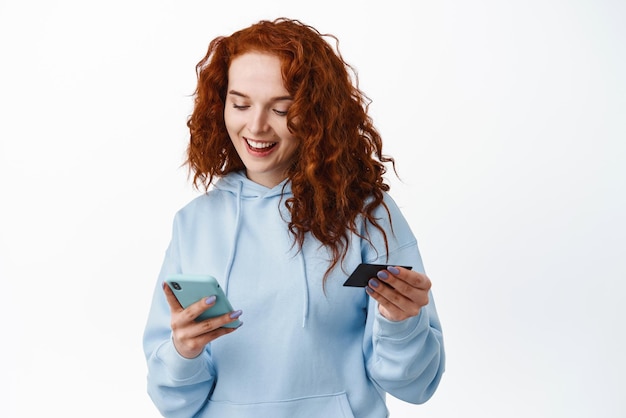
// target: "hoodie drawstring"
[[233, 251], [305, 311]]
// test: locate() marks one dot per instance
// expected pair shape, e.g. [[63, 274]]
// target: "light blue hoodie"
[[302, 351]]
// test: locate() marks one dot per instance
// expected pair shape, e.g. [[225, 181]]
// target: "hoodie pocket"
[[326, 406]]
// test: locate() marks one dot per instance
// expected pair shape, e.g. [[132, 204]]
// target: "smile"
[[260, 146]]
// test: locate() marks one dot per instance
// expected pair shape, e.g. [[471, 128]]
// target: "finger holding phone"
[[400, 292], [191, 335]]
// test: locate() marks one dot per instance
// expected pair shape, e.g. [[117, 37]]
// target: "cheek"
[[282, 130], [228, 117], [231, 122], [294, 144]]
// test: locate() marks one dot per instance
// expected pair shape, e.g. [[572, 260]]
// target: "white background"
[[507, 121]]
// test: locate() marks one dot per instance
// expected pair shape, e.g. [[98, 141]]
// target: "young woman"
[[295, 200]]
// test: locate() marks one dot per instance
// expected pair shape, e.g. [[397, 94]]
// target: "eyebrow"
[[245, 96]]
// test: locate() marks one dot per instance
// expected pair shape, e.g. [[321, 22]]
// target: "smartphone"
[[364, 272], [190, 288]]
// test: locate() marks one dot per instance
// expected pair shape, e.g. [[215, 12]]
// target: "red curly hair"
[[337, 173]]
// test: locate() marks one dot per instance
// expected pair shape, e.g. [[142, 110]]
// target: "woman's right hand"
[[190, 337]]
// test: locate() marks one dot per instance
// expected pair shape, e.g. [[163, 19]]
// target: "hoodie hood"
[[245, 188]]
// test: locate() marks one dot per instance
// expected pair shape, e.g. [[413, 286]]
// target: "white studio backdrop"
[[507, 121]]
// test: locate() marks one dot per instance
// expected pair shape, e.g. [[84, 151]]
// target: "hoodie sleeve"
[[405, 358], [179, 387]]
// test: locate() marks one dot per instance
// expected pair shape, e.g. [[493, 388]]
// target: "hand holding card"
[[364, 271]]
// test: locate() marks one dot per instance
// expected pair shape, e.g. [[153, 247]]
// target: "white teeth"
[[260, 145]]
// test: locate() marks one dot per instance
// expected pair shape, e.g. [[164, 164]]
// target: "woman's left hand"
[[400, 292]]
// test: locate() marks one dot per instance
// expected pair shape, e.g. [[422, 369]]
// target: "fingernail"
[[373, 283], [393, 270], [235, 314], [210, 300], [382, 275]]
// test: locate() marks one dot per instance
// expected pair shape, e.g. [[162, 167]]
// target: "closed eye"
[[240, 107], [280, 112]]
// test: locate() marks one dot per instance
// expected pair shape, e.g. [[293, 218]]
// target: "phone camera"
[[176, 285]]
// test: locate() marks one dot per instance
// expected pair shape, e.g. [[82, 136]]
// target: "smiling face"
[[256, 117]]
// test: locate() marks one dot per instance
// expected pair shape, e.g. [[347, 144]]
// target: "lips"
[[260, 146]]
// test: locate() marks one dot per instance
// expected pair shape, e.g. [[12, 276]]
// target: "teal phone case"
[[190, 288]]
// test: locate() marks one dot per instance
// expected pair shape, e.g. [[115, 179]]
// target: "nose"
[[258, 122]]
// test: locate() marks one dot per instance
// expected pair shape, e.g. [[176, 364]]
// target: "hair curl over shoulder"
[[337, 174]]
